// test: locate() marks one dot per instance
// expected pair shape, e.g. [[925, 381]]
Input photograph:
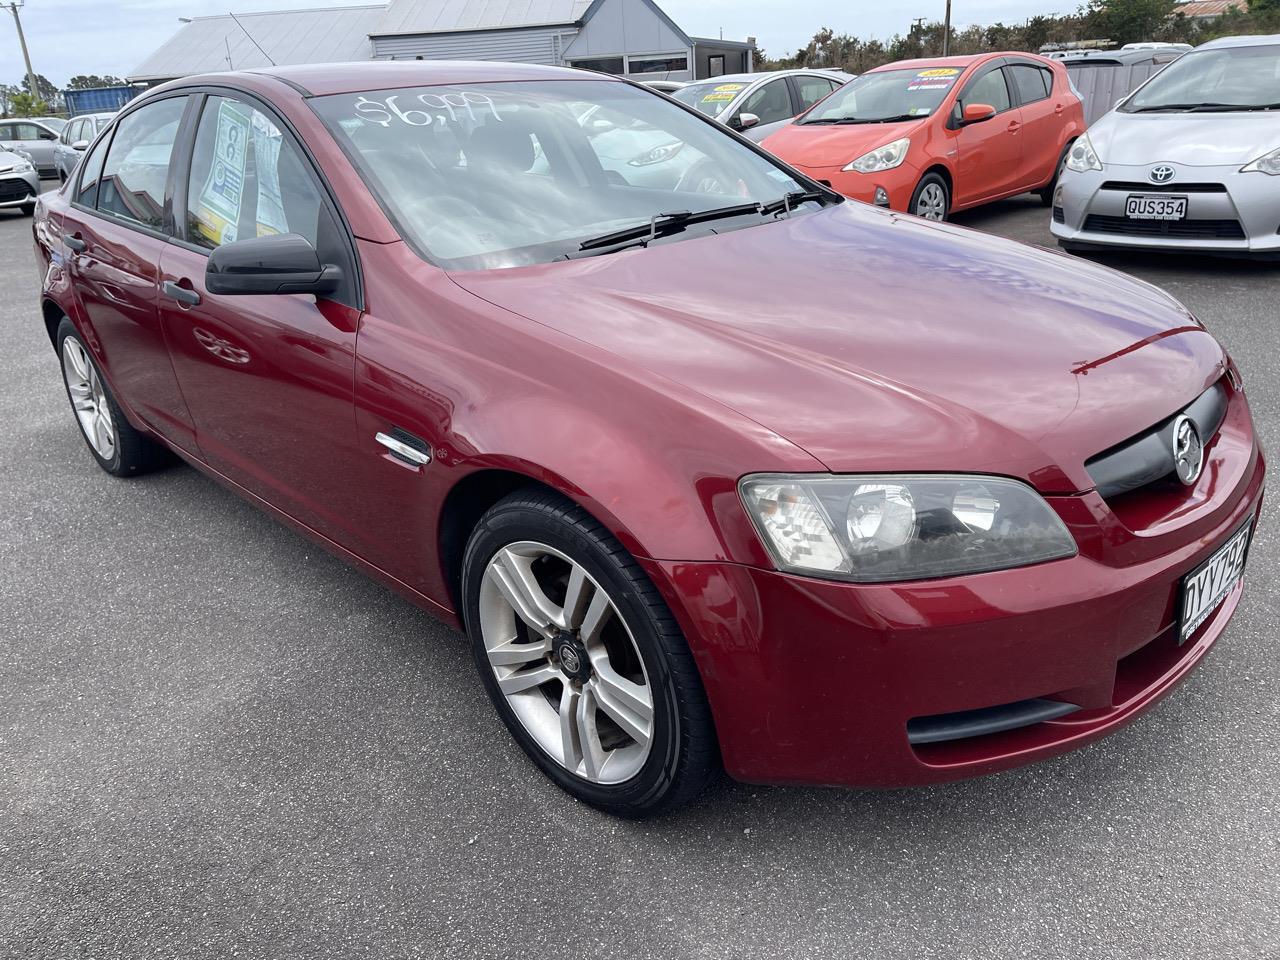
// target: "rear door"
[[269, 379], [1043, 120], [120, 220], [33, 138], [988, 153]]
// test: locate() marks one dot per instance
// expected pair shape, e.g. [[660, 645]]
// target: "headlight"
[[882, 158], [22, 168], [657, 154], [1082, 156], [1269, 164], [873, 529]]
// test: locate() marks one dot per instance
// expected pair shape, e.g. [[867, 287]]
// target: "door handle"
[[74, 243], [183, 295], [1014, 126], [1058, 108]]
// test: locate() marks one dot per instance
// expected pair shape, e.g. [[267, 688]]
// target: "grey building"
[[627, 37]]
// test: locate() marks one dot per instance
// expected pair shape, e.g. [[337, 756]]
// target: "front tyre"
[[932, 198], [582, 658], [119, 449]]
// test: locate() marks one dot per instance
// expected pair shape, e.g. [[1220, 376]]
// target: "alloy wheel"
[[88, 398], [566, 662], [932, 202]]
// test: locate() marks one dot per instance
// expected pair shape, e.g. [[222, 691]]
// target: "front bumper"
[[897, 184], [812, 681], [17, 190], [1227, 211]]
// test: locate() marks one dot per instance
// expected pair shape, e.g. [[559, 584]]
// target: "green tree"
[[91, 81], [25, 105], [1130, 21], [44, 91]]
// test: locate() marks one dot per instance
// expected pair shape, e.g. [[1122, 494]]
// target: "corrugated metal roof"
[[1208, 8], [328, 35], [447, 16]]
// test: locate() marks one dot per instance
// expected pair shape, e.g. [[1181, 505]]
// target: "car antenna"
[[250, 36]]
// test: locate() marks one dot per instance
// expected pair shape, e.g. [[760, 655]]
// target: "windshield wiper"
[[788, 202], [1178, 107], [665, 224], [1232, 107]]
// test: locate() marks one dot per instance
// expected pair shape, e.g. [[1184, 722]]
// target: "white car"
[[746, 101], [19, 181], [1188, 161]]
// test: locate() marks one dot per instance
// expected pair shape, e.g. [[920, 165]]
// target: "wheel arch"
[[53, 317], [943, 171]]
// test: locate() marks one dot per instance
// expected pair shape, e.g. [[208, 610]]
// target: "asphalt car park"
[[216, 739]]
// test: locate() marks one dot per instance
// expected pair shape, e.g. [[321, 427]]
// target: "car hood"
[[1194, 139], [820, 145], [877, 341]]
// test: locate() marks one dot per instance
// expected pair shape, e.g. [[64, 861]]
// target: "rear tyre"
[[932, 198], [119, 449], [583, 660], [1046, 192]]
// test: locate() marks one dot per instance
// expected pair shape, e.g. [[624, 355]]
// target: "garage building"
[[627, 37]]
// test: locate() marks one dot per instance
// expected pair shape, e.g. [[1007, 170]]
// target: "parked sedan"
[[934, 136], [744, 101], [926, 504], [19, 181], [1190, 161], [74, 140], [35, 138]]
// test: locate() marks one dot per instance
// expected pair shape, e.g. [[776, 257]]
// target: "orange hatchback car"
[[933, 136]]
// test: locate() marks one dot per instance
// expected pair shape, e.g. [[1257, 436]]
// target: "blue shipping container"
[[99, 99]]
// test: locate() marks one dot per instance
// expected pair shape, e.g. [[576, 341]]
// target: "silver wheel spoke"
[[593, 754], [627, 703], [576, 597], [518, 585], [598, 613], [523, 680], [569, 727], [512, 653]]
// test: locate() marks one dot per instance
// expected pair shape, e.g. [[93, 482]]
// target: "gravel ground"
[[218, 741]]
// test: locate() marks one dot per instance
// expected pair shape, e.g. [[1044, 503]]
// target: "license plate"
[[1139, 207], [1208, 585]]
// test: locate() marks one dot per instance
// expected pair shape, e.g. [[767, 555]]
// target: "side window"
[[812, 89], [137, 164], [1030, 82], [26, 131], [6, 131], [76, 131], [248, 179], [990, 88], [91, 174], [770, 103]]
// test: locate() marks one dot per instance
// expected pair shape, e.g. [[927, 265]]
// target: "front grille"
[[1175, 229], [13, 190], [1148, 457], [1059, 215], [1137, 186]]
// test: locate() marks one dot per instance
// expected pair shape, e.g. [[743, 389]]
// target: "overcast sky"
[[67, 37]]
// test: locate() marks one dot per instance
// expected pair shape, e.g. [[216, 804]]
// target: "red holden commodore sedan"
[[712, 469]]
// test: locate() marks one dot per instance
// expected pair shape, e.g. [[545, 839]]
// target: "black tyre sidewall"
[[925, 181], [649, 790]]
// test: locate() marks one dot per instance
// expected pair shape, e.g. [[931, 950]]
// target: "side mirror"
[[46, 135], [281, 263], [80, 145], [744, 121], [977, 112]]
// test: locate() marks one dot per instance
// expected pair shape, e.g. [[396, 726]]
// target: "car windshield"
[[490, 175], [710, 98], [54, 123], [1226, 79], [886, 95]]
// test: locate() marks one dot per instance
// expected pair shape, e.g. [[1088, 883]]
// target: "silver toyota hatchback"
[[1189, 160]]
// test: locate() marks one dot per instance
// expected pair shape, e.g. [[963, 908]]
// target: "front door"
[[269, 379], [116, 231], [989, 152]]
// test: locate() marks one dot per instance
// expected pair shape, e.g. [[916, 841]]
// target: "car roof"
[[1249, 40], [763, 74], [324, 79]]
